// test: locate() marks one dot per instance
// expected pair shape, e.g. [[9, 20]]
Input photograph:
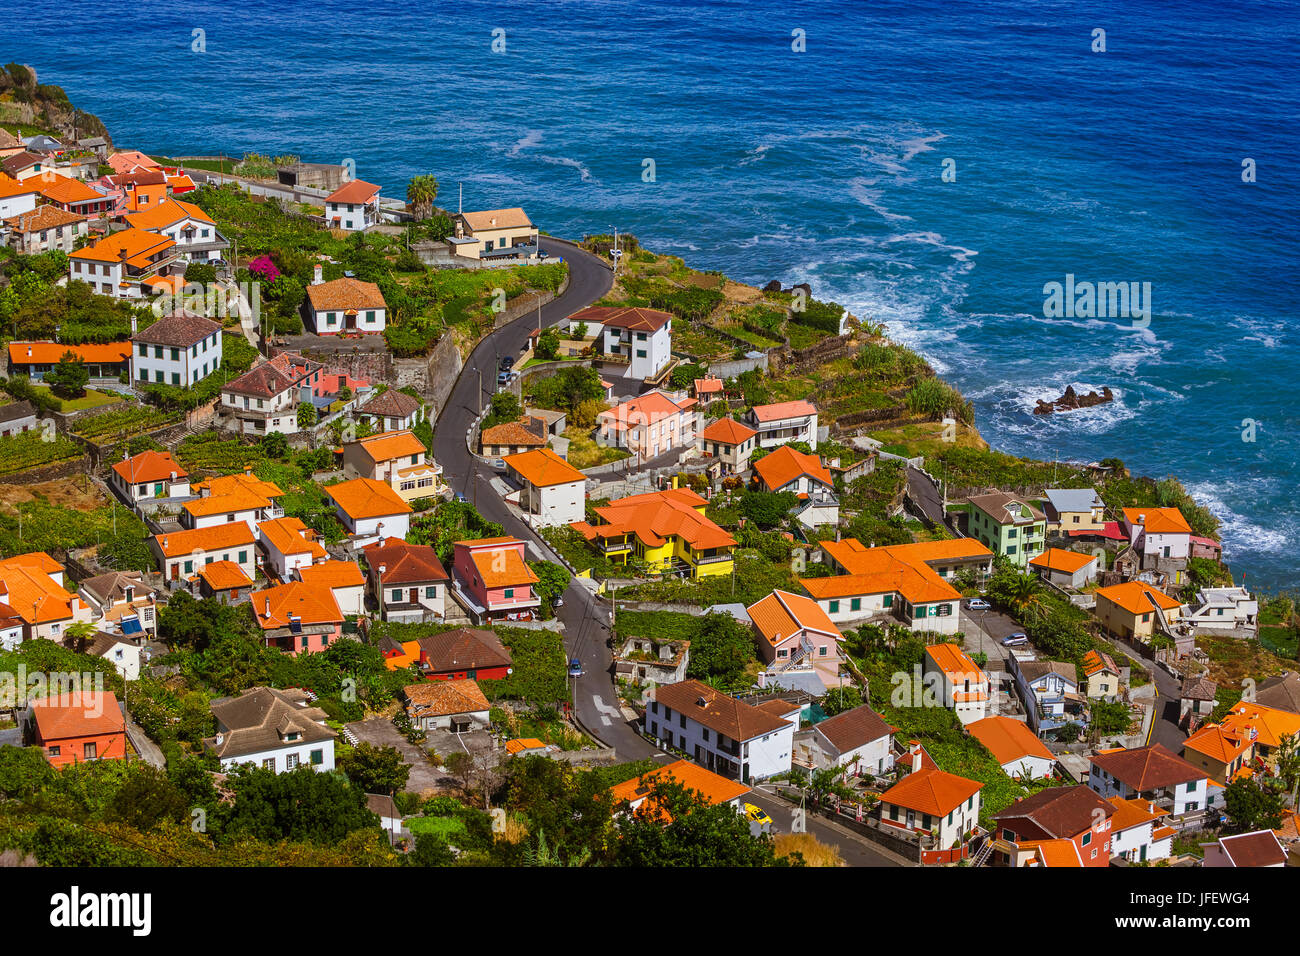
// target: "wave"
[[532, 139], [1238, 532]]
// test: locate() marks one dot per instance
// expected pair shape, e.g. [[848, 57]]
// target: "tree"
[[767, 509], [421, 191], [461, 766], [548, 345], [376, 769], [68, 379], [721, 648], [1109, 717], [505, 407], [147, 799], [1288, 764], [586, 412], [552, 579], [274, 445], [79, 635], [430, 850], [579, 331], [306, 415], [301, 805], [840, 699], [1250, 806]]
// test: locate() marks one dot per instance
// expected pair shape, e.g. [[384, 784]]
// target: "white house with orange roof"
[[1016, 748], [552, 492], [227, 498], [650, 425], [193, 230], [182, 554], [707, 389], [16, 197], [1067, 569], [908, 582], [960, 683], [370, 510], [643, 337], [1138, 833], [730, 442], [492, 578], [794, 632], [298, 618], [638, 793], [344, 580], [289, 545], [150, 474], [930, 801], [803, 475], [398, 459], [785, 422], [1163, 539], [32, 588], [119, 264], [344, 306], [353, 207], [42, 230]]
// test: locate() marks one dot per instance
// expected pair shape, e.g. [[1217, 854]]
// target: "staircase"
[[982, 854]]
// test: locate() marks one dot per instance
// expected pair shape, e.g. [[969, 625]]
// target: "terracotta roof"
[[1054, 853], [543, 468], [291, 536], [510, 218], [333, 574], [404, 563], [1219, 743], [225, 576], [128, 159], [717, 711], [854, 728], [783, 410], [1268, 725], [178, 544], [646, 410], [309, 603], [32, 593], [1198, 688], [1131, 813], [167, 213], [521, 744], [42, 217], [387, 446], [445, 698], [952, 660], [527, 431], [366, 498], [501, 566], [463, 649], [149, 466], [1094, 663], [19, 161], [635, 319], [1060, 812], [781, 614], [355, 191], [345, 295], [708, 385], [713, 788], [140, 247], [62, 189], [239, 482], [902, 569], [1158, 520], [656, 517], [1007, 509], [139, 177], [272, 377], [180, 330], [1147, 768], [784, 465], [1136, 597], [727, 431], [392, 403], [1260, 848], [1008, 740], [16, 187], [77, 714], [1057, 559], [259, 719], [932, 791]]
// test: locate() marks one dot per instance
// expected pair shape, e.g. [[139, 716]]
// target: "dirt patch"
[[1232, 660], [744, 294], [76, 493]]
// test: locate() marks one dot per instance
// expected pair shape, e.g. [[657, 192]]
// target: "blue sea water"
[[825, 166]]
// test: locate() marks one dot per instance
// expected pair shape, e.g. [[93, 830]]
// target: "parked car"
[[757, 815], [507, 363], [575, 668], [503, 378], [978, 604], [1015, 640], [541, 253], [558, 602], [461, 498]]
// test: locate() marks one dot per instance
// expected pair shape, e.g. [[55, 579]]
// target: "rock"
[[1071, 400], [773, 286]]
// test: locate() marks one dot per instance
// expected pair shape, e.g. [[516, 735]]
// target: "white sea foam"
[[1238, 532], [532, 139]]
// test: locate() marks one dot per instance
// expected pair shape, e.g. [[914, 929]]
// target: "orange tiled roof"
[[1094, 663], [32, 593], [389, 445], [513, 434], [1132, 597], [520, 744], [656, 517], [239, 482], [61, 189], [441, 698], [1007, 739], [1217, 742], [1269, 724], [1054, 853], [1132, 813], [42, 217], [1058, 559], [345, 295], [727, 431], [355, 191], [646, 410], [951, 659], [178, 544], [310, 603], [502, 567], [225, 576], [149, 466], [16, 187], [333, 574], [931, 791], [137, 245], [780, 467], [901, 569], [129, 159], [1158, 520], [167, 213], [78, 714], [542, 467], [714, 788], [783, 410], [511, 218], [291, 536], [708, 386], [633, 318], [781, 614], [240, 499], [367, 498]]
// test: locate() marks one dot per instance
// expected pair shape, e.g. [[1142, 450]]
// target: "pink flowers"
[[264, 267]]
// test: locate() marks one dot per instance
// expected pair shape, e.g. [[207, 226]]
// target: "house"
[[637, 794], [787, 470], [1206, 548], [121, 601], [265, 399], [408, 581], [650, 425], [793, 631], [552, 492], [1137, 833], [1076, 814], [666, 530], [1257, 848], [226, 498], [393, 410], [72, 195], [275, 729], [370, 510], [179, 349], [1267, 727], [493, 579], [1074, 509], [1014, 746], [1229, 608], [133, 192], [1066, 569], [1223, 751], [644, 660], [785, 422], [194, 231], [297, 617], [118, 265], [642, 337], [958, 681], [556, 420], [31, 586], [494, 234], [343, 579], [707, 389], [730, 442], [124, 653], [131, 160], [1162, 538], [728, 736], [25, 165], [225, 581], [451, 655], [1007, 526], [384, 806], [16, 197], [76, 727], [33, 359], [1102, 674], [397, 459], [1050, 691], [1281, 692], [16, 418], [455, 705], [43, 229], [11, 628], [909, 583], [1136, 611], [931, 801], [858, 740], [525, 747], [1198, 697], [289, 545], [513, 438], [353, 207], [345, 305], [1151, 773], [184, 553]]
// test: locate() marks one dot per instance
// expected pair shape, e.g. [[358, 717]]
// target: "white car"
[[978, 604], [1015, 640]]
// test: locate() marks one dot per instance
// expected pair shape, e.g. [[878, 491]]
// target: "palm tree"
[[420, 194], [79, 636]]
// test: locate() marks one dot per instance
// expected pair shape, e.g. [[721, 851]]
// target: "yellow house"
[[1223, 752], [1268, 727], [1103, 675], [666, 530], [494, 233], [1129, 610]]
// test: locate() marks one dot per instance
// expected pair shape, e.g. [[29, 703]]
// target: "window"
[[431, 591], [889, 601], [1087, 838], [243, 557], [176, 378], [55, 751], [291, 760], [681, 721], [89, 751], [706, 735], [855, 604], [397, 594], [510, 592], [835, 607], [144, 351], [317, 757], [176, 355], [157, 351], [269, 764]]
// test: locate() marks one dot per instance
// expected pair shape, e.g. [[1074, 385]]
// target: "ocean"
[[808, 142]]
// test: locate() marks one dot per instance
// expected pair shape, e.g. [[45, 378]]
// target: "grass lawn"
[[447, 828], [92, 399], [927, 439], [585, 453]]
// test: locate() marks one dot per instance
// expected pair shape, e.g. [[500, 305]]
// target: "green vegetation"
[[29, 450], [125, 422], [38, 525]]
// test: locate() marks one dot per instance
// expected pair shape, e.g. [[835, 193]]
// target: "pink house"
[[493, 578]]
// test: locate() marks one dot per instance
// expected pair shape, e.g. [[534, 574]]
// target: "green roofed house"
[[1008, 526]]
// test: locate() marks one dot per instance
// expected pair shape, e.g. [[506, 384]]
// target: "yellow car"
[[757, 814]]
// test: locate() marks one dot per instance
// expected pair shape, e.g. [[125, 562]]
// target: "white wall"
[[281, 755]]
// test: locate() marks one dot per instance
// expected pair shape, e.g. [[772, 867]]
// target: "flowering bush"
[[264, 268]]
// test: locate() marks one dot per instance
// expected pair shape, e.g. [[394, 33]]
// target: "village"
[[314, 479]]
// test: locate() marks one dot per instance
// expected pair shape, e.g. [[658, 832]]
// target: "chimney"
[[380, 542], [318, 274], [268, 608], [914, 750], [164, 542]]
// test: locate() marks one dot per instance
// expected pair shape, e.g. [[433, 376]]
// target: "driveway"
[[380, 732]]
